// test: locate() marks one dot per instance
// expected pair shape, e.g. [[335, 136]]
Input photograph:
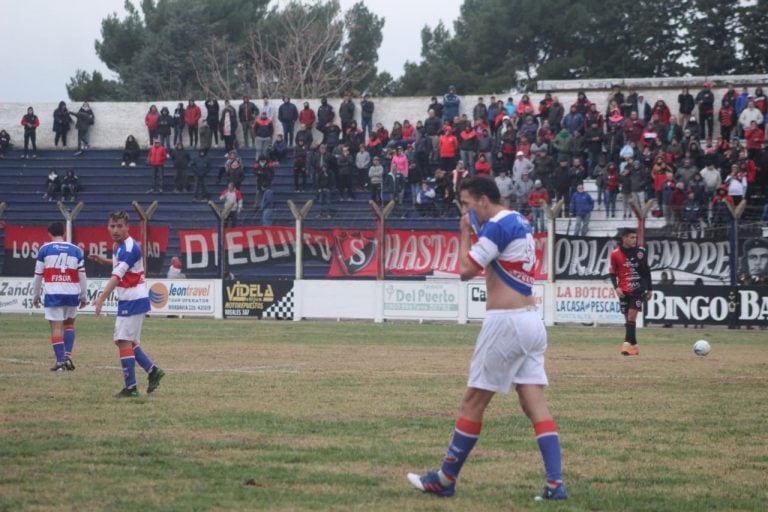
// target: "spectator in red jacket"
[[30, 122], [755, 137], [156, 159], [448, 148], [661, 109], [307, 116], [150, 120], [535, 198], [727, 117], [191, 117], [482, 166]]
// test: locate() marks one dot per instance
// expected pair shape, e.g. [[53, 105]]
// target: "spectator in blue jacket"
[[451, 104], [581, 208], [573, 120]]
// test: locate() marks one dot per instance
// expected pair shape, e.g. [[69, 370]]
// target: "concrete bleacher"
[[107, 186]]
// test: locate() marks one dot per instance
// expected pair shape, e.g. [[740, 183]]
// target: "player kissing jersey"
[[128, 267], [506, 242], [630, 266], [62, 269]]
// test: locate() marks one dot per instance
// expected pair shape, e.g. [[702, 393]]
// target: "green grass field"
[[257, 415]]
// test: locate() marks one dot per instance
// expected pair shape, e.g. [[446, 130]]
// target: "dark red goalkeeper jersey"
[[629, 270]]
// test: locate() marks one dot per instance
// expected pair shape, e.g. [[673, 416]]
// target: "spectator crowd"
[[693, 159]]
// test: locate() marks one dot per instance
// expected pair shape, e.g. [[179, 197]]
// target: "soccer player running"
[[631, 278], [132, 304], [511, 344], [61, 266]]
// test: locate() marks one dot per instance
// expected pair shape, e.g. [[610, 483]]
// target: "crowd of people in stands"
[[537, 153]]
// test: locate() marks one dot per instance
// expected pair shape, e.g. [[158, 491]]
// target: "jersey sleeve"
[[125, 260], [490, 241]]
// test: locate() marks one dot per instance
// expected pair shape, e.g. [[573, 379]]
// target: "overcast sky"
[[46, 41]]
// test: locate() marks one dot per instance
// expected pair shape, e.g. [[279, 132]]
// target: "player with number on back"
[[511, 344], [631, 278], [60, 265], [132, 304]]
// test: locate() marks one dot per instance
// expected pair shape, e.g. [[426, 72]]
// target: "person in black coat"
[[212, 117], [61, 124], [287, 114], [131, 152]]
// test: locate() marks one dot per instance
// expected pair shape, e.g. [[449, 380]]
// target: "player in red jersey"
[[631, 277]]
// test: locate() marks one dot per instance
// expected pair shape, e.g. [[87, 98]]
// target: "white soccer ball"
[[701, 348]]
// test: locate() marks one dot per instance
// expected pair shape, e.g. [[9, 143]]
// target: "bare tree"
[[297, 51], [217, 70]]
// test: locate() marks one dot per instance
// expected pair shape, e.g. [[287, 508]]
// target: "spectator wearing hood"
[[451, 105], [61, 124], [164, 126], [307, 118], [325, 114], [30, 122]]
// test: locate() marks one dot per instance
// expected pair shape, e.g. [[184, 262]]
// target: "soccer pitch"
[[269, 415]]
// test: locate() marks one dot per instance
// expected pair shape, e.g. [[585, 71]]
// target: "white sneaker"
[[122, 164], [132, 164]]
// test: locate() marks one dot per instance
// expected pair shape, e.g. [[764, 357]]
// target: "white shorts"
[[509, 350], [128, 328], [60, 313]]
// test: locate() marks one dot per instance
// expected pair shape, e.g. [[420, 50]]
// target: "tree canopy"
[[501, 44], [184, 48]]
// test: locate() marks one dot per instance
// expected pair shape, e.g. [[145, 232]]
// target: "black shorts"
[[634, 301]]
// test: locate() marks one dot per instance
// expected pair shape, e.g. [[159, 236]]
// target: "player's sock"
[[142, 358], [631, 332], [549, 445], [465, 436], [128, 362], [69, 341], [57, 342]]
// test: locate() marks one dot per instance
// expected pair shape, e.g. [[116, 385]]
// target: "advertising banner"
[[355, 254], [589, 258], [167, 297], [587, 303], [422, 300], [183, 297], [711, 305], [250, 248], [258, 298], [476, 298], [23, 242]]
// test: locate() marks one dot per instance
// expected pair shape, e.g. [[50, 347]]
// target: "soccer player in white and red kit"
[[631, 278], [61, 267], [132, 304], [510, 347]]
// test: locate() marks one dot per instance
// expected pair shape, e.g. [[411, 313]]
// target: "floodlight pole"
[[70, 216], [641, 213], [144, 217], [221, 215], [551, 214], [381, 216], [736, 213], [300, 214]]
